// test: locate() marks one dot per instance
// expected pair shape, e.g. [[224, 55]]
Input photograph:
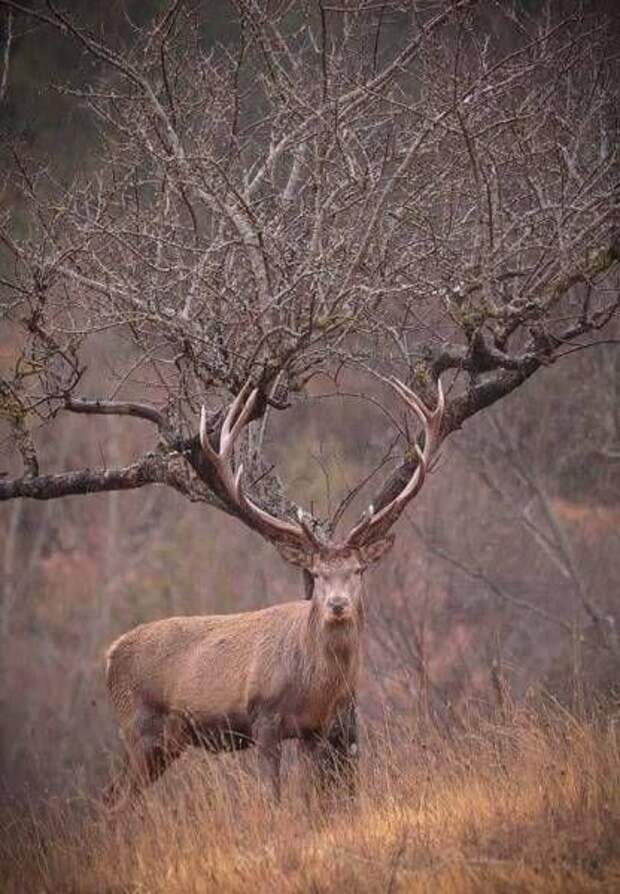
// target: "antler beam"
[[375, 525], [222, 461]]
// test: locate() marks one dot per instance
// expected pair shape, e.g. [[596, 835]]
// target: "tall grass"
[[531, 804]]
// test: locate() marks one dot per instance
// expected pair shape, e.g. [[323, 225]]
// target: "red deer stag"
[[225, 682]]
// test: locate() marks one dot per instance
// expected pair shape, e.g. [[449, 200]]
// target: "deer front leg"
[[266, 734], [333, 756], [344, 747]]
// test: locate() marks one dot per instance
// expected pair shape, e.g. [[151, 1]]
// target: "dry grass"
[[528, 805]]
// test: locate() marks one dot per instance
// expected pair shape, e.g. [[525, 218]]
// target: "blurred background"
[[503, 581]]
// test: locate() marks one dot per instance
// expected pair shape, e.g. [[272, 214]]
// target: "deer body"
[[213, 680], [227, 682]]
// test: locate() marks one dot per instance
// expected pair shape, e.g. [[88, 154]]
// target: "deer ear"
[[296, 555], [372, 552]]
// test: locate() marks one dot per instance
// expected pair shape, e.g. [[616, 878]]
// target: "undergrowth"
[[527, 804]]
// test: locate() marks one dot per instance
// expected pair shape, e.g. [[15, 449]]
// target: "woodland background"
[[503, 582]]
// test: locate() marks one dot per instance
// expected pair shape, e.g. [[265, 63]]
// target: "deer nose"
[[337, 605]]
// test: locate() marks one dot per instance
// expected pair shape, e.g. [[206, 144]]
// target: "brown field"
[[530, 804]]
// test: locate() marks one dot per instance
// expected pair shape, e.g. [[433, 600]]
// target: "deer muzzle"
[[339, 608]]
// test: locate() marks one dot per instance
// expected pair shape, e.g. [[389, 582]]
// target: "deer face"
[[337, 577], [337, 589]]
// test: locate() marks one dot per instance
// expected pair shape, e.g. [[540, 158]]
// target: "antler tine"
[[376, 524], [415, 402], [410, 397], [231, 480], [236, 417]]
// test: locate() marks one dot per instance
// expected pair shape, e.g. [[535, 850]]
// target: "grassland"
[[529, 804]]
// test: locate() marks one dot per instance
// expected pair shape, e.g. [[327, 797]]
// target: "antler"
[[372, 527], [375, 525], [271, 527]]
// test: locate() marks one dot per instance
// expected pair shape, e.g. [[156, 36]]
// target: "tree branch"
[[153, 468], [117, 408], [6, 56], [478, 575]]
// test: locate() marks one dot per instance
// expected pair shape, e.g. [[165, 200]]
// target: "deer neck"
[[337, 645]]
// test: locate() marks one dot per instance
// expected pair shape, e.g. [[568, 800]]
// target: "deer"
[[258, 678]]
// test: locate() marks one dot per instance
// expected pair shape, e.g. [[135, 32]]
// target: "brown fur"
[[230, 681]]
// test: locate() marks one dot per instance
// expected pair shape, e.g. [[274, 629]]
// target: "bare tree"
[[418, 189], [6, 54]]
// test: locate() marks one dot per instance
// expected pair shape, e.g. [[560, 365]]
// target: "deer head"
[[333, 567]]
